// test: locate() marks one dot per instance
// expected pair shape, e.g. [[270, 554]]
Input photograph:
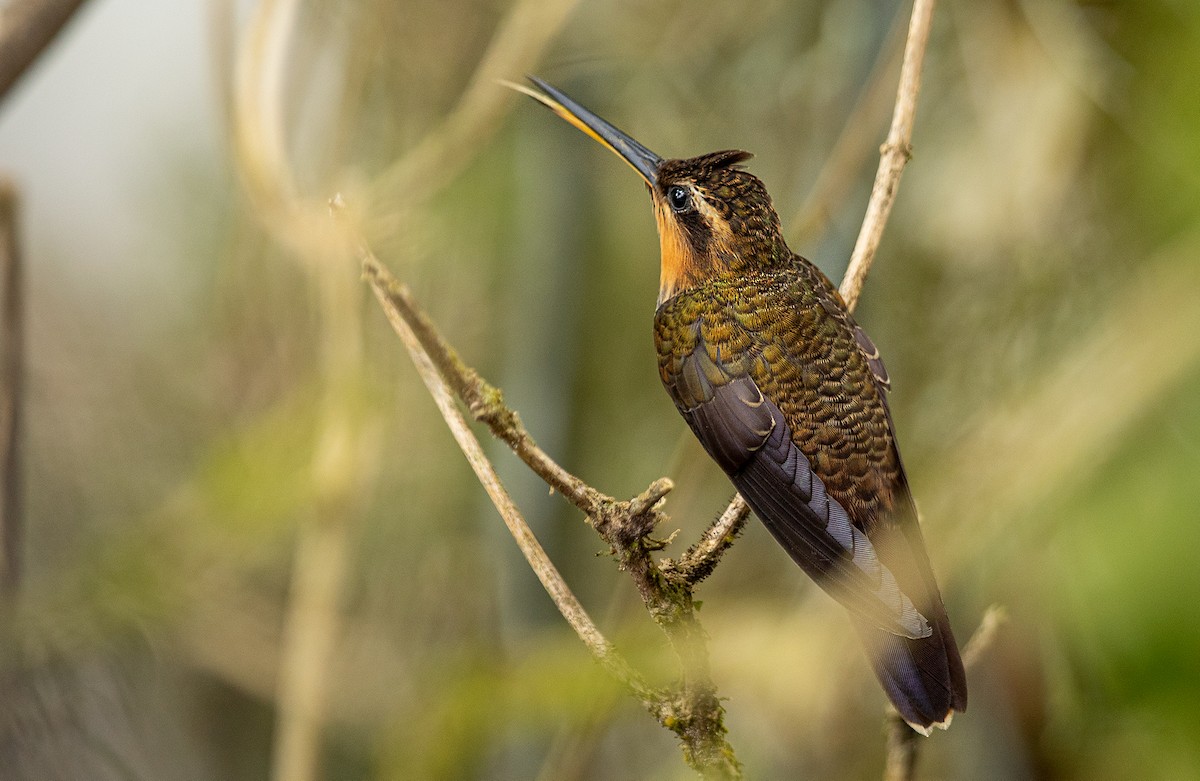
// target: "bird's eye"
[[678, 198]]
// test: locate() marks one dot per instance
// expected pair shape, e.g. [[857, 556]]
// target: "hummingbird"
[[788, 395]]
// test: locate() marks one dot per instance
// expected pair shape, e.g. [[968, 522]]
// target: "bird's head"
[[714, 217]]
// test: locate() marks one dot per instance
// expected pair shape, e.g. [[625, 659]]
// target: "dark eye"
[[678, 198]]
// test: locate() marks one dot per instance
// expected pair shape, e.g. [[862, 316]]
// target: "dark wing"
[[923, 677], [875, 564], [747, 435]]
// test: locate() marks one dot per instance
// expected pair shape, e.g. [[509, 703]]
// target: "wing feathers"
[[746, 435], [885, 579]]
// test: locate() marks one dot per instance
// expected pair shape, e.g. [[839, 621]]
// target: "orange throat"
[[682, 266], [679, 263]]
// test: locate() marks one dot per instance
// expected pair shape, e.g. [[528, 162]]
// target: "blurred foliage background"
[[252, 546]]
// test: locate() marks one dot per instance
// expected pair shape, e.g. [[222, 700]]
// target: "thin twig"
[[701, 559], [902, 740], [12, 361], [389, 292], [984, 635], [27, 27], [901, 746], [484, 400], [895, 153], [693, 711]]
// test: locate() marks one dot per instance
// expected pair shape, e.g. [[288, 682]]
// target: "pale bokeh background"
[[221, 428]]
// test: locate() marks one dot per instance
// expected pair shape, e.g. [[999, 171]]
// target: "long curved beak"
[[641, 159]]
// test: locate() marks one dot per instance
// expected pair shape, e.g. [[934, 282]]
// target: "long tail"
[[923, 678]]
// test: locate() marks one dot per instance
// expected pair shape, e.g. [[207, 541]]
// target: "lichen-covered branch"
[[701, 559]]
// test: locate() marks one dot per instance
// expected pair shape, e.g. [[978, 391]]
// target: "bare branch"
[[894, 155], [27, 27], [400, 313], [484, 400], [984, 636]]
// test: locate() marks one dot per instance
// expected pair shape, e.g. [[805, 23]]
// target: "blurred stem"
[[341, 456], [12, 373], [313, 618], [27, 27], [260, 76], [526, 31], [901, 762], [984, 635], [311, 625]]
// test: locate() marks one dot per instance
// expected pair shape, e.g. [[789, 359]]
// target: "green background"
[[209, 383]]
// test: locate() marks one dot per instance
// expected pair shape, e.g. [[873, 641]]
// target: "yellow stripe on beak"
[[641, 159]]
